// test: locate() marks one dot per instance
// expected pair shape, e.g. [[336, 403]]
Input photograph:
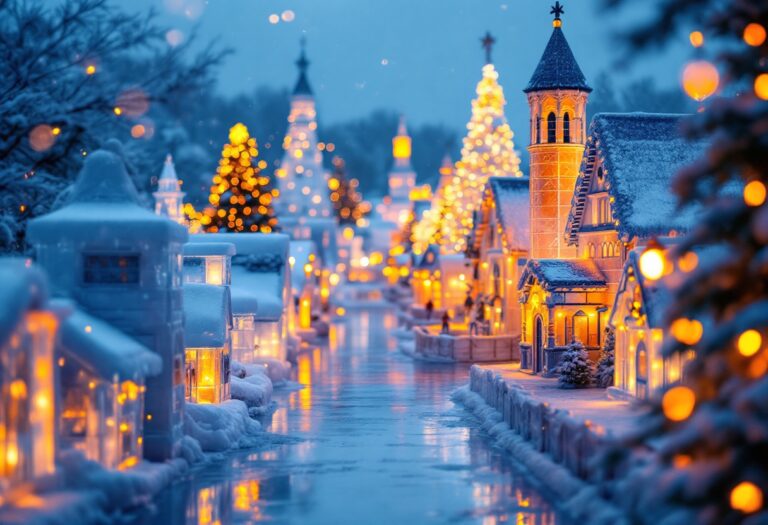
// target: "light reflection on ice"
[[378, 442]]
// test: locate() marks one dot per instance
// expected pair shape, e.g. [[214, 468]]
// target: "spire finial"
[[487, 44], [558, 11], [302, 62]]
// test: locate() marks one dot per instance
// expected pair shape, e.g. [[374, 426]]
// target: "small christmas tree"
[[604, 372], [241, 196], [575, 368], [347, 203]]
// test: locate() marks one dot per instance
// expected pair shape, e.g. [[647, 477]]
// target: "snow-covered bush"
[[604, 371], [575, 370]]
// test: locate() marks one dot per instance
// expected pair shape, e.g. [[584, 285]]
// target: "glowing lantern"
[[749, 343], [696, 38], [652, 263], [754, 35], [754, 193], [678, 403], [746, 497], [761, 86], [700, 80], [90, 69], [305, 313]]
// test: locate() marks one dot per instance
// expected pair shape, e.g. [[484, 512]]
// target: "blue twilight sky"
[[419, 57]]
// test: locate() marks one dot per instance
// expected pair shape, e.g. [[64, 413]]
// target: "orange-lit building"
[[28, 330], [498, 247]]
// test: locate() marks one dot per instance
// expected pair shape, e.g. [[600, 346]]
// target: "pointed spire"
[[557, 68], [302, 85], [402, 129], [169, 170], [487, 44]]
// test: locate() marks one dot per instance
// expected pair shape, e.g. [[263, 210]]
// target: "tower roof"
[[169, 170], [302, 84], [557, 68]]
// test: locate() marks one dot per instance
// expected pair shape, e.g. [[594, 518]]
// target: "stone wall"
[[466, 348]]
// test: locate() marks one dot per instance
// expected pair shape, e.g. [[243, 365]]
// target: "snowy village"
[[351, 262]]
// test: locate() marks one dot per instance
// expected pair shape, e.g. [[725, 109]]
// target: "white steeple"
[[169, 200]]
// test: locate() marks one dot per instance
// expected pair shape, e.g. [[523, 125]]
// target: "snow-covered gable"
[[244, 302], [207, 315], [563, 274], [640, 153], [512, 203], [104, 204], [429, 260], [22, 288], [103, 349]]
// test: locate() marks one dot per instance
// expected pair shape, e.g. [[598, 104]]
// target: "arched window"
[[604, 250], [567, 128], [610, 249], [551, 128], [538, 129], [618, 249], [592, 251], [581, 327], [600, 175]]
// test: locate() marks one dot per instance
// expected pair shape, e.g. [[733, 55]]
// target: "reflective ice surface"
[[372, 439]]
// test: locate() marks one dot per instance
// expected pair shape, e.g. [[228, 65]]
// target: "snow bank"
[[222, 427], [251, 385], [60, 508], [576, 497]]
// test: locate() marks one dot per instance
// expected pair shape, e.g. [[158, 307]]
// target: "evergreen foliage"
[[605, 365], [575, 370]]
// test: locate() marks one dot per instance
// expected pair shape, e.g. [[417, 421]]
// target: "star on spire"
[[558, 11], [487, 44]]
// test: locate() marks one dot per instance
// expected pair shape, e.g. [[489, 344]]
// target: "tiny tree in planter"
[[604, 372], [575, 368]]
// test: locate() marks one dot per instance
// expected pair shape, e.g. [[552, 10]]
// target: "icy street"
[[374, 438]]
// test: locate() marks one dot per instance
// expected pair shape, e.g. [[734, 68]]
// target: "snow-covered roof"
[[103, 349], [265, 287], [103, 206], [641, 153], [302, 84], [554, 274], [207, 315], [202, 249], [250, 243], [22, 287], [512, 202], [557, 68], [244, 302]]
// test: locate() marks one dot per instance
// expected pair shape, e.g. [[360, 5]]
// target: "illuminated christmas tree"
[[347, 202], [488, 151], [241, 197]]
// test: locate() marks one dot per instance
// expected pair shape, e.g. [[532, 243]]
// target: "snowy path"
[[374, 440]]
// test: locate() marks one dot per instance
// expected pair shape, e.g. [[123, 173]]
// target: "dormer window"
[[111, 269]]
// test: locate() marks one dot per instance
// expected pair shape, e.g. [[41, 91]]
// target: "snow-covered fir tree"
[[488, 151], [65, 69], [710, 431], [605, 365], [575, 369]]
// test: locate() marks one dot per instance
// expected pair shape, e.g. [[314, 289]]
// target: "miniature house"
[[207, 325], [28, 329], [103, 374], [261, 281], [498, 244], [640, 369], [122, 263], [620, 199], [208, 263], [169, 199]]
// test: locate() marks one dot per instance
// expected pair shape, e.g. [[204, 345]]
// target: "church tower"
[[301, 178], [402, 178], [557, 97], [169, 200]]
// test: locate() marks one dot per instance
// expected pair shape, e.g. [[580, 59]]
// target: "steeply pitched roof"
[[302, 84], [512, 199], [554, 274], [641, 152], [557, 68]]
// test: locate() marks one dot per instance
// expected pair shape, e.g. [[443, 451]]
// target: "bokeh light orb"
[[754, 193], [42, 137], [754, 35], [746, 497], [700, 80], [652, 263], [678, 403]]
